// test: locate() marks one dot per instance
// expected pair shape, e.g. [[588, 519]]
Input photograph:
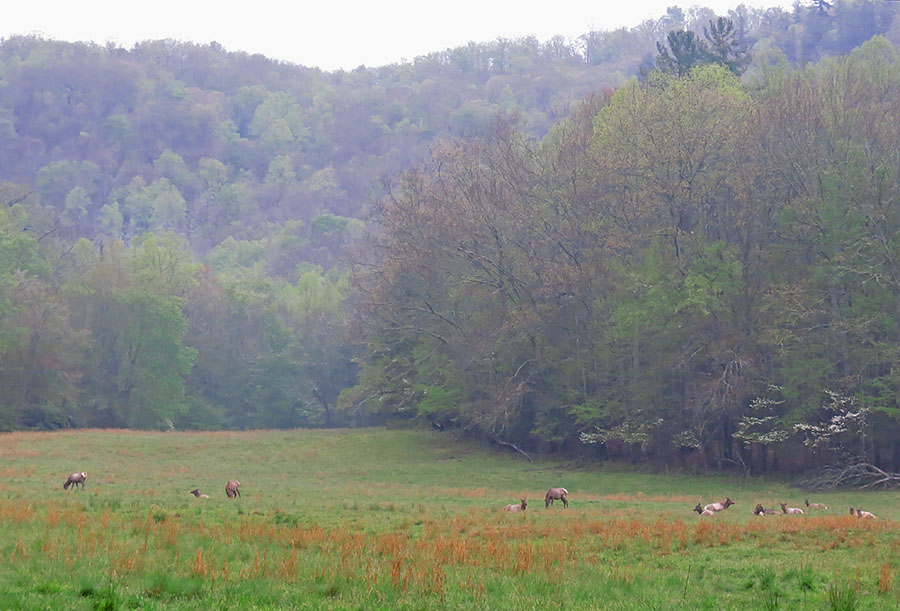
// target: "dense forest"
[[671, 242]]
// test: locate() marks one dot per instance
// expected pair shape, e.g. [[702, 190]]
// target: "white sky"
[[332, 34]]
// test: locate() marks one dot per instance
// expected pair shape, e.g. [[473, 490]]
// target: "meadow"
[[387, 519]]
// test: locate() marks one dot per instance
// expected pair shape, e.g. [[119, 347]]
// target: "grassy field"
[[381, 519]]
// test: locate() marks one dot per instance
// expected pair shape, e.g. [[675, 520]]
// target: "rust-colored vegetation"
[[409, 533], [458, 548]]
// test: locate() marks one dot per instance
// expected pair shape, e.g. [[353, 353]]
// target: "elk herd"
[[554, 494], [759, 510], [233, 490], [232, 487]]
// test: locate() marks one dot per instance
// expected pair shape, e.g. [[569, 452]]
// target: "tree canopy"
[[547, 244]]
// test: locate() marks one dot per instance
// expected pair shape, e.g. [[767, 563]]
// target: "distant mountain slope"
[[211, 144]]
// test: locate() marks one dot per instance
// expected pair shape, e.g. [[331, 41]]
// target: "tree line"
[[694, 269], [197, 238], [145, 336], [212, 144]]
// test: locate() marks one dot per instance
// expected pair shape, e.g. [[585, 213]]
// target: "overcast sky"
[[331, 34]]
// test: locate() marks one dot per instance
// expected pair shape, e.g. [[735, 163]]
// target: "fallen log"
[[857, 475], [514, 447]]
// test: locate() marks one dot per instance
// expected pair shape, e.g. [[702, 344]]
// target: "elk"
[[786, 509], [520, 507], [815, 505], [704, 512], [233, 489], [865, 515], [75, 479], [761, 511], [720, 506], [556, 494], [196, 492]]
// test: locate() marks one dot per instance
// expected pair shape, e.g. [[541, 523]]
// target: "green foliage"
[[683, 51], [184, 243], [725, 46], [232, 255], [164, 586], [843, 597], [26, 304], [658, 283]]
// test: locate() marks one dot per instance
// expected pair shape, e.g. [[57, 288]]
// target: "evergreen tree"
[[725, 47], [820, 6], [683, 51]]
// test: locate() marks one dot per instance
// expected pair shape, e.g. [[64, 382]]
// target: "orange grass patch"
[[886, 579], [10, 472], [446, 548], [15, 511]]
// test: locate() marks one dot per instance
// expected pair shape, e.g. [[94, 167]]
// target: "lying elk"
[[556, 494], [75, 479], [520, 507], [786, 509], [233, 489], [704, 512], [720, 506], [761, 511], [815, 505], [196, 492], [865, 515]]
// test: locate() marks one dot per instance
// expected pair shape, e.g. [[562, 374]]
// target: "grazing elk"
[[786, 509], [556, 494], [196, 492], [704, 512], [233, 489], [720, 506], [75, 479], [519, 507], [815, 505]]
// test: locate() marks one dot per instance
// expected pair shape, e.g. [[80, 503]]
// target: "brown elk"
[[556, 494], [704, 512], [520, 507], [786, 509], [761, 511], [196, 492], [75, 479], [233, 489], [815, 505], [865, 515], [720, 506]]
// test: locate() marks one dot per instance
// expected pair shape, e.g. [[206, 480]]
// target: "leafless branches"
[[857, 474]]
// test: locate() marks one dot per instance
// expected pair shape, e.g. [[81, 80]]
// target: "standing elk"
[[196, 492], [520, 507], [233, 489], [556, 494], [75, 479]]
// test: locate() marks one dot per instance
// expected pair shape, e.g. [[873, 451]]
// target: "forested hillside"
[[518, 238]]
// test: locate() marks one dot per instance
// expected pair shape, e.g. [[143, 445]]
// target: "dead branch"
[[514, 447], [858, 475]]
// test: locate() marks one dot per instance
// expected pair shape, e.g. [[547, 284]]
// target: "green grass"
[[382, 519]]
